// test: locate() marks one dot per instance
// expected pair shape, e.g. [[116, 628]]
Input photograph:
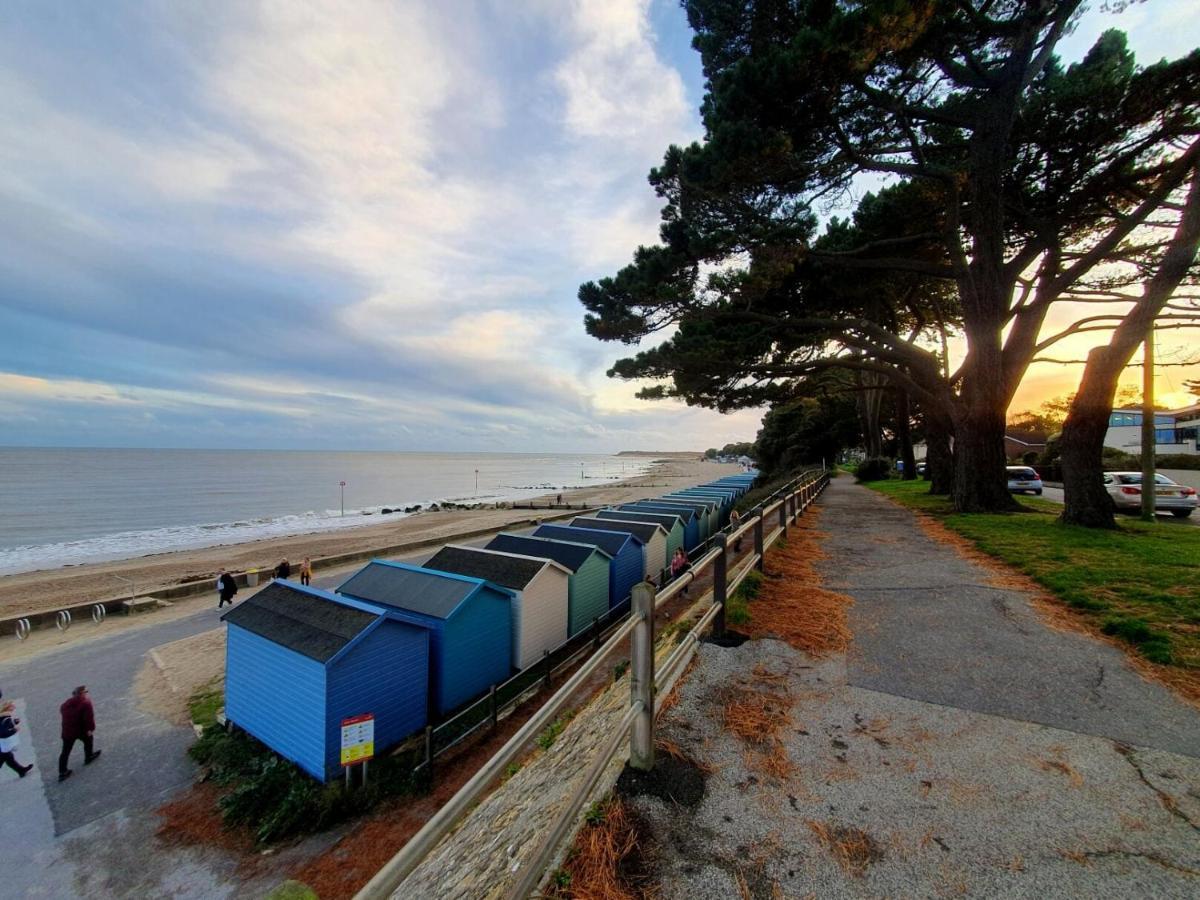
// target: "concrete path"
[[961, 748], [93, 835], [927, 625]]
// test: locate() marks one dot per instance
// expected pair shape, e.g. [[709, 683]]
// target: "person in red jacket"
[[78, 724]]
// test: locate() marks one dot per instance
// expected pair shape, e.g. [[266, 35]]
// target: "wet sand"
[[53, 589]]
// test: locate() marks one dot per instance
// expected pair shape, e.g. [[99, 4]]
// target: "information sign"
[[358, 739]]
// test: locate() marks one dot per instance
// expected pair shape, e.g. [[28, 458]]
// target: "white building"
[[1174, 430]]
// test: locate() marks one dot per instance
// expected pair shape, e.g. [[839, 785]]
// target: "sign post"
[[358, 742]]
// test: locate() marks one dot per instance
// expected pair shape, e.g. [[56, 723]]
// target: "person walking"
[[10, 740], [78, 724], [735, 519], [306, 571], [226, 588]]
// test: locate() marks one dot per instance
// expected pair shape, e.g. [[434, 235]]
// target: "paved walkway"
[[960, 748]]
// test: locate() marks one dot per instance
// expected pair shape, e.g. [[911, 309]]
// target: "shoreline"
[[46, 590]]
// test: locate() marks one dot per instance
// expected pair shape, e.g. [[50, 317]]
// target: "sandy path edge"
[[51, 589]]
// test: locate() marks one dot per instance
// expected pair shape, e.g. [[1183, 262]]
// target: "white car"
[[1125, 489], [1022, 479]]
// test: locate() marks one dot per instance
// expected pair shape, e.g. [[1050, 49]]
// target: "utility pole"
[[476, 482], [342, 485], [1148, 436]]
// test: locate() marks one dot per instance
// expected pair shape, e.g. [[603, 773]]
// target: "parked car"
[[1125, 490], [1022, 479], [921, 469]]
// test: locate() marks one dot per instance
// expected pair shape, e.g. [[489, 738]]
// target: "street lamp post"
[[476, 482], [342, 485]]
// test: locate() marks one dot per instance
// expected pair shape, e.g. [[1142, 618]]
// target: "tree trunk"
[[1086, 501], [980, 480], [939, 457], [868, 403], [904, 436]]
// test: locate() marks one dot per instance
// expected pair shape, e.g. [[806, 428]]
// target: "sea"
[[66, 506]]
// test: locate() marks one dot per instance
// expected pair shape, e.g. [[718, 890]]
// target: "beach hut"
[[724, 497], [707, 510], [299, 660], [469, 622], [587, 587], [687, 517], [652, 536], [721, 499], [539, 586], [628, 561], [672, 524]]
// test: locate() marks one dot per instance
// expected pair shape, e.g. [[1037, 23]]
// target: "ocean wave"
[[132, 544]]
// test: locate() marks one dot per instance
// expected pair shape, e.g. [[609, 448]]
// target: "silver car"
[[1125, 489], [1022, 479]]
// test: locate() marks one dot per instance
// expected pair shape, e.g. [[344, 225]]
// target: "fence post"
[[783, 514], [546, 668], [720, 584], [758, 539], [798, 505], [492, 705], [641, 680], [596, 633]]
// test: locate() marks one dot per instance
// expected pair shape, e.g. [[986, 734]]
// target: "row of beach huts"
[[411, 644]]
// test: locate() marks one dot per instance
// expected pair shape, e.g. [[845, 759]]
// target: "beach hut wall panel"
[[539, 586], [469, 622], [672, 524], [687, 517], [299, 660], [652, 536], [587, 588], [628, 562]]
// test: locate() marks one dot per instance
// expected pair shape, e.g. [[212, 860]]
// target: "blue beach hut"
[[691, 527], [628, 559], [652, 536], [587, 586], [469, 622], [672, 524], [299, 660], [706, 512]]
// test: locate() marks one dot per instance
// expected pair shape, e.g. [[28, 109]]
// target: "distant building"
[[1174, 430]]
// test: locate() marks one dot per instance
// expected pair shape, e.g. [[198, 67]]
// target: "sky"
[[346, 226]]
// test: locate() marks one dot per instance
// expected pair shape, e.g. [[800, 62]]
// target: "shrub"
[[876, 468], [277, 799]]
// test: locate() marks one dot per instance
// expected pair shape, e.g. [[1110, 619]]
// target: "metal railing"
[[788, 503]]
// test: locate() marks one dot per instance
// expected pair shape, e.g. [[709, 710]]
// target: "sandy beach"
[[53, 589]]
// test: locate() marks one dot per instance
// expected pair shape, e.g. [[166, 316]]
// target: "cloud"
[[316, 225]]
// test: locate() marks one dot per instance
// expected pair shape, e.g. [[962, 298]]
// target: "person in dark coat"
[[226, 588], [9, 726], [283, 570], [78, 724]]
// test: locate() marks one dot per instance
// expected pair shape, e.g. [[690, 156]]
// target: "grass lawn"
[[1140, 583]]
